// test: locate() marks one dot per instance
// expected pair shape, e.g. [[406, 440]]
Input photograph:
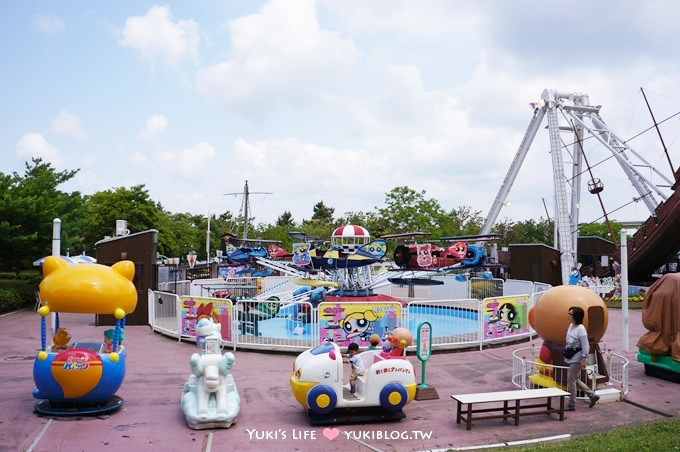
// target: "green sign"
[[424, 341], [424, 347]]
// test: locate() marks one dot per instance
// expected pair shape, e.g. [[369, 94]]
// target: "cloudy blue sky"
[[333, 101]]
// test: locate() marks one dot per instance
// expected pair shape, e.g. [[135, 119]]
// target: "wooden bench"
[[506, 411]]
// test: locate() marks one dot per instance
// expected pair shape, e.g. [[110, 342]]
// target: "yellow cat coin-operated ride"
[[76, 378]]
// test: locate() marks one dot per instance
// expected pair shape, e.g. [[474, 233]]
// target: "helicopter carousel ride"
[[81, 378]]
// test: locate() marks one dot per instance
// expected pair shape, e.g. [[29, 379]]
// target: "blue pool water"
[[280, 328], [444, 322]]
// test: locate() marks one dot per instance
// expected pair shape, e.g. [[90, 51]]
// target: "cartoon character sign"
[[276, 252], [225, 272], [359, 324], [229, 248], [347, 322], [195, 308], [424, 254], [376, 249], [301, 254], [505, 316]]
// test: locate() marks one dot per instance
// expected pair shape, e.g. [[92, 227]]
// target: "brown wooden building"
[[541, 263], [139, 248], [535, 262], [596, 255]]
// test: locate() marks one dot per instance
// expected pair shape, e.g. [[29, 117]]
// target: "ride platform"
[[47, 408], [355, 415], [415, 281]]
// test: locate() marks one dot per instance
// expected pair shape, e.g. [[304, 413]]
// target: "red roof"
[[350, 230]]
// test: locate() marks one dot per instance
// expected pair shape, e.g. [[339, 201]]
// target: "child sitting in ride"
[[374, 340], [398, 340], [356, 363], [61, 339], [108, 340]]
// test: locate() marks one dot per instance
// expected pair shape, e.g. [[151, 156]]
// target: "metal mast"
[[245, 206]]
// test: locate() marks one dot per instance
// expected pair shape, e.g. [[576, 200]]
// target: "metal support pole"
[[624, 288], [56, 251]]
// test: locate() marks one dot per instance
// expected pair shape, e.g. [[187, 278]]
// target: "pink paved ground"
[[271, 419]]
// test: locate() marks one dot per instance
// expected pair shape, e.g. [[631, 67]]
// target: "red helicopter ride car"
[[457, 253]]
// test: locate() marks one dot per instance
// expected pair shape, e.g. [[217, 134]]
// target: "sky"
[[331, 101]]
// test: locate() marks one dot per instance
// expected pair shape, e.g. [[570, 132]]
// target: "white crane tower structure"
[[572, 113]]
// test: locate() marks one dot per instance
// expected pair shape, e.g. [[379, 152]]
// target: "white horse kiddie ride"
[[210, 398]]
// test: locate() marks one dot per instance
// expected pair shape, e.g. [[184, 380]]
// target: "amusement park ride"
[[573, 113], [455, 254], [81, 378]]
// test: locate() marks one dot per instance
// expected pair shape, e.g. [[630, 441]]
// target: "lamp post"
[[207, 241]]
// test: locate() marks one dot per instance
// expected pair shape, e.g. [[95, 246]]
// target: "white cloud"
[[188, 164], [50, 25], [155, 124], [35, 145], [280, 55], [158, 39], [68, 124], [139, 159]]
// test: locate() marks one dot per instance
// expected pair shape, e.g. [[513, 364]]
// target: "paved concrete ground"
[[271, 419]]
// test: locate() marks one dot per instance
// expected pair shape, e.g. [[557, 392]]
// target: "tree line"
[[30, 202]]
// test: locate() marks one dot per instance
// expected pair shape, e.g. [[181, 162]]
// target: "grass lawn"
[[659, 436]]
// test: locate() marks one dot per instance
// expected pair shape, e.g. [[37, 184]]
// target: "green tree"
[[322, 223], [186, 233], [322, 213], [407, 210], [278, 233], [601, 230], [375, 225], [460, 221], [285, 220], [133, 205], [529, 231], [28, 206]]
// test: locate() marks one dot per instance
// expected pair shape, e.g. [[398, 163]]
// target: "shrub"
[[10, 300], [18, 293], [634, 302]]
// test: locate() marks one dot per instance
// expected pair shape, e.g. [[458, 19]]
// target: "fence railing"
[[529, 372], [164, 313], [285, 322], [455, 322]]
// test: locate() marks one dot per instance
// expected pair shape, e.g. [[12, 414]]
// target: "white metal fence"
[[294, 323], [450, 319], [529, 372]]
